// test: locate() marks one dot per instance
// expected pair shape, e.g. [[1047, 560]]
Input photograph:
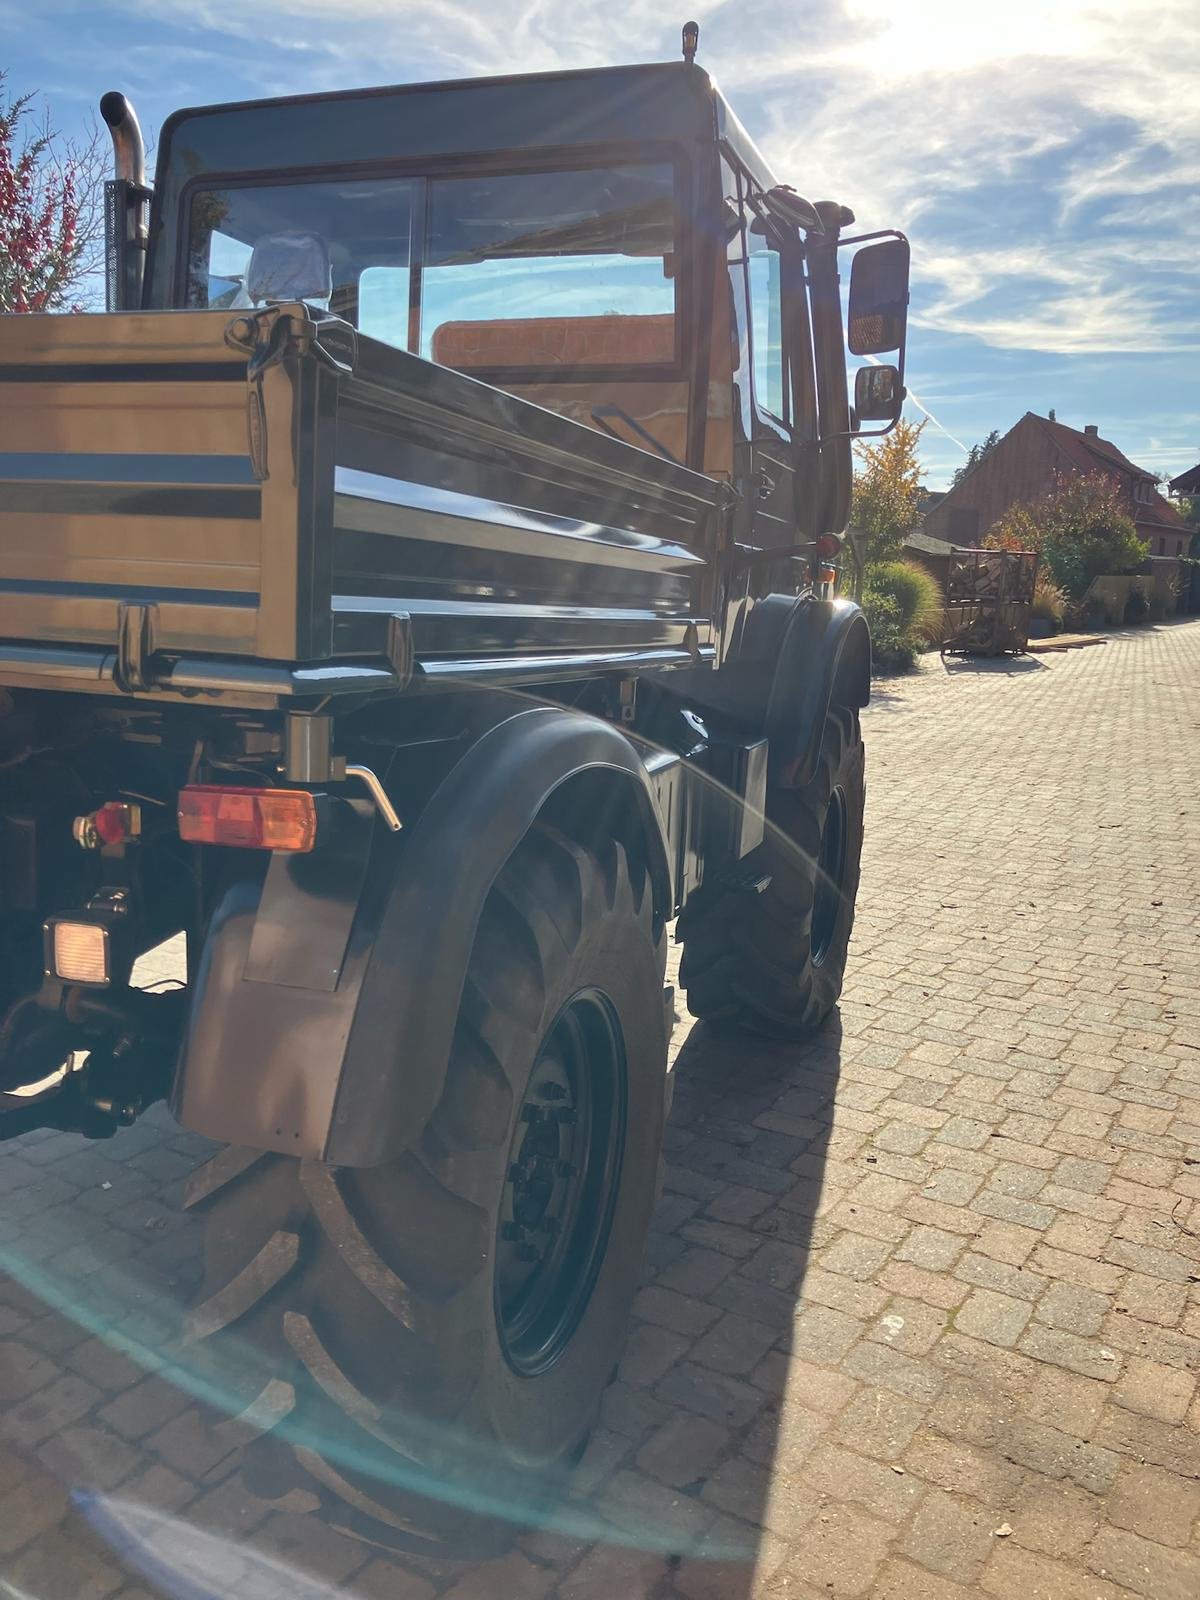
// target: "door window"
[[766, 325]]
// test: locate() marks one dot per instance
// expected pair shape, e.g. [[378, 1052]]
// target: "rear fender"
[[324, 1005]]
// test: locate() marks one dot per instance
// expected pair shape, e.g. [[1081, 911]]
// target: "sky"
[[1042, 155]]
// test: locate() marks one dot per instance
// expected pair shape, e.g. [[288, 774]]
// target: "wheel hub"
[[560, 1186]]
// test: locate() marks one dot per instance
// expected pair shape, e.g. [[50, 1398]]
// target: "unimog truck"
[[418, 590]]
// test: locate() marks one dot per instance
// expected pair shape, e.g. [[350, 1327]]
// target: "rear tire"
[[767, 954], [425, 1350]]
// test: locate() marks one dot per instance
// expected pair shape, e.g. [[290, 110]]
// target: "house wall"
[[1019, 469], [1163, 541]]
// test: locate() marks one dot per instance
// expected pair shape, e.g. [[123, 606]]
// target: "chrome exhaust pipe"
[[126, 207], [129, 148]]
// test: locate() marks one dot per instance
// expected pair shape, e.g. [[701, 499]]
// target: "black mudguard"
[[795, 656], [327, 993]]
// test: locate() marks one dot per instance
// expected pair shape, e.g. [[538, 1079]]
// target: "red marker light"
[[248, 819]]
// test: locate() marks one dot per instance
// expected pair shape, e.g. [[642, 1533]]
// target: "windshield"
[[548, 272]]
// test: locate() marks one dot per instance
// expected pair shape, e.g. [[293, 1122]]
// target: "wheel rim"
[[831, 876], [561, 1185]]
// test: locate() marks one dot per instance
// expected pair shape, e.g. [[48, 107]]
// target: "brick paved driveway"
[[922, 1314]]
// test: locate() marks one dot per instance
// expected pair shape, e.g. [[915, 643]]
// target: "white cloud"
[[1031, 151], [1039, 154]]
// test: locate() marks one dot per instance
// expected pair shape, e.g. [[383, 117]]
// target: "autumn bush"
[[50, 223], [1081, 528]]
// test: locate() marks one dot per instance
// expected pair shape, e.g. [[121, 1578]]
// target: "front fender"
[[824, 657], [795, 656], [347, 1064]]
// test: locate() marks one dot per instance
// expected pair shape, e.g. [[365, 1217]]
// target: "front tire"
[[767, 953], [436, 1334]]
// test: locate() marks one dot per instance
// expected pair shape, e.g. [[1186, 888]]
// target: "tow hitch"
[[129, 1036]]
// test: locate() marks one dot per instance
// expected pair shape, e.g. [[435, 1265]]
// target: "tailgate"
[[125, 478]]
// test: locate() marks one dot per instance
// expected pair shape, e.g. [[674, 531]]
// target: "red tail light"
[[829, 547], [249, 819]]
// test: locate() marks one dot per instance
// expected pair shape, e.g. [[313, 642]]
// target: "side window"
[[766, 325], [732, 190]]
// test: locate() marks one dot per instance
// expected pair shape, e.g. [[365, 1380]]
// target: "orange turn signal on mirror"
[[248, 819]]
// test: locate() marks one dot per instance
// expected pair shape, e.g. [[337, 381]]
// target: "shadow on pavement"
[[1004, 666], [684, 1490]]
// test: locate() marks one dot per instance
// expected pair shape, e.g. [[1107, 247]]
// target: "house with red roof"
[[1026, 464]]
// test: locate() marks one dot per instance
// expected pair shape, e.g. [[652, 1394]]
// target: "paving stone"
[[1155, 1390], [840, 1551], [384, 1580], [1016, 1574], [1000, 1276], [139, 1410], [1151, 1300], [1007, 1242], [950, 1535], [605, 1572], [735, 1344], [933, 1248], [649, 1352], [306, 1545], [961, 1468], [880, 1423], [680, 1313], [1066, 1401], [1158, 1505], [514, 1576], [855, 1256], [1146, 1568], [57, 1567], [710, 1394], [822, 1334], [900, 1580], [998, 1318], [890, 1369], [30, 1509], [1085, 1356], [683, 1449], [1052, 1516], [49, 1410], [1058, 1455], [1066, 1305]]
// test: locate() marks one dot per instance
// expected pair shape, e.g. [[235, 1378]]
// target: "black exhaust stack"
[[126, 207]]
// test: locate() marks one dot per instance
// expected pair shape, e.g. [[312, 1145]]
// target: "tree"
[[50, 215], [1081, 528], [974, 456], [887, 489]]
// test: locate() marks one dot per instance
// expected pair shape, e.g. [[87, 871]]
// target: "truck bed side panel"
[[124, 476]]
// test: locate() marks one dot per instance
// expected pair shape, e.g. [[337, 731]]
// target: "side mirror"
[[879, 298], [878, 394]]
